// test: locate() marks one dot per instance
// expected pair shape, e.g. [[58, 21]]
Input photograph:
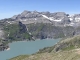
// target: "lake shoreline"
[[26, 47], [8, 48]]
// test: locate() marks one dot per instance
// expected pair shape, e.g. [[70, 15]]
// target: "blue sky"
[[8, 8]]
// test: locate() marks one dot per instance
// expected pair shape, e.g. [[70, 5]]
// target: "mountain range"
[[32, 25], [56, 18], [34, 20]]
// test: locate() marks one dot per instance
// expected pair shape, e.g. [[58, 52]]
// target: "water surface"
[[27, 47]]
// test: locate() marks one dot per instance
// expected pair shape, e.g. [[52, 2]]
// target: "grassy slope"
[[67, 53], [64, 45]]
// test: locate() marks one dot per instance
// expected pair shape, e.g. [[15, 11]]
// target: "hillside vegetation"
[[68, 55], [63, 45]]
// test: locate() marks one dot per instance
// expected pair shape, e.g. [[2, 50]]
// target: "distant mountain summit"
[[58, 18]]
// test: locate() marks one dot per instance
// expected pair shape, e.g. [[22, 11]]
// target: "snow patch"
[[70, 19], [23, 20], [0, 31], [35, 19], [8, 22], [7, 49], [51, 18], [47, 17], [58, 20], [77, 19], [71, 24]]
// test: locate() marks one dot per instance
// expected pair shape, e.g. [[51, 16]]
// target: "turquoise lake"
[[27, 47]]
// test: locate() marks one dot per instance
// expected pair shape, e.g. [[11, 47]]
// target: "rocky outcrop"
[[2, 34], [22, 27], [3, 46]]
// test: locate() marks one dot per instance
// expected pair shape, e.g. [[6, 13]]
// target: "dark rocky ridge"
[[3, 46], [23, 28]]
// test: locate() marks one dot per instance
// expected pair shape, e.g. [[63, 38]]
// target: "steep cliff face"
[[22, 27]]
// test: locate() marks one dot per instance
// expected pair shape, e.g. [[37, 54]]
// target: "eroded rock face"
[[3, 46], [23, 28], [1, 34]]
